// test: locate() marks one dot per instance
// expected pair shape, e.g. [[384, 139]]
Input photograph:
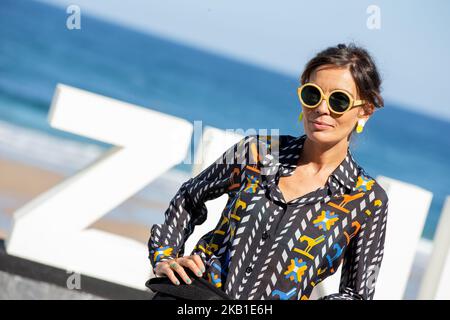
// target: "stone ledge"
[[25, 279]]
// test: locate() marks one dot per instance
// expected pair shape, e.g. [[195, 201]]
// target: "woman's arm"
[[187, 208], [363, 257]]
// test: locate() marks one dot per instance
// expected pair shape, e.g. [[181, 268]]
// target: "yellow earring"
[[300, 117], [360, 126]]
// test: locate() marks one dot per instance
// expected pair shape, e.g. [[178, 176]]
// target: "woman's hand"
[[169, 267]]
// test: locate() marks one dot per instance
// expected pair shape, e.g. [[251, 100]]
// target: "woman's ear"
[[366, 110]]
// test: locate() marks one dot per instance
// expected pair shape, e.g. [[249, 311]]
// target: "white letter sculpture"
[[51, 229]]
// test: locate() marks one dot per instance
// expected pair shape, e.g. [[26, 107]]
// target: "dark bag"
[[199, 289]]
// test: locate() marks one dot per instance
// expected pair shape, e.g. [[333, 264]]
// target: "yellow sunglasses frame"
[[353, 102]]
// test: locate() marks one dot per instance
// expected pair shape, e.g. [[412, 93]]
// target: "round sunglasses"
[[338, 101]]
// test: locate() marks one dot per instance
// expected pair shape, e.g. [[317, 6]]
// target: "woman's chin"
[[322, 136]]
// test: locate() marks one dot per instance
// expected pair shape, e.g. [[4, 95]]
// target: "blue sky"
[[411, 48]]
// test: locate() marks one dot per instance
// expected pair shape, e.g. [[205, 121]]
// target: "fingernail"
[[188, 280], [199, 273], [177, 282], [203, 269]]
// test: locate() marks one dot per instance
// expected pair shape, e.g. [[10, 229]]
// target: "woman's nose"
[[322, 107]]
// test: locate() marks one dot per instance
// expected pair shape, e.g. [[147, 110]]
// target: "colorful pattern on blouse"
[[266, 248]]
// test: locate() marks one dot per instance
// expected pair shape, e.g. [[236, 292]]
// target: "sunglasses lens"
[[339, 101], [310, 95]]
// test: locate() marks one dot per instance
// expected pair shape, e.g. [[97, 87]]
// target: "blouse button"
[[249, 269], [265, 235]]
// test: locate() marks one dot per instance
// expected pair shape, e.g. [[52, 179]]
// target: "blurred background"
[[228, 64]]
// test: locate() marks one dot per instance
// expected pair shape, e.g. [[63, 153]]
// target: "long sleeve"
[[187, 208], [362, 258]]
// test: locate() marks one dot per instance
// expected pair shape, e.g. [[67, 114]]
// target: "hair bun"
[[341, 46]]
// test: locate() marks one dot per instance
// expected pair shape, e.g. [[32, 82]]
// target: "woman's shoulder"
[[271, 140], [261, 145]]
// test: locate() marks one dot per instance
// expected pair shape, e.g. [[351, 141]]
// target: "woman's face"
[[330, 77]]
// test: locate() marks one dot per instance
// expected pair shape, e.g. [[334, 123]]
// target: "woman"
[[298, 206]]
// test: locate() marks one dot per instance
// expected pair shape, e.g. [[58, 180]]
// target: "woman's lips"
[[321, 126]]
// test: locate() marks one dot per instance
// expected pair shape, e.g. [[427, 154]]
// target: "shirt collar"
[[282, 156]]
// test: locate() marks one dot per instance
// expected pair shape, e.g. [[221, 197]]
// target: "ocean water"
[[37, 51]]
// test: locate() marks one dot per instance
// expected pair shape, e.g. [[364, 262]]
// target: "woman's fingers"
[[191, 264], [171, 268], [165, 269], [176, 266], [198, 260]]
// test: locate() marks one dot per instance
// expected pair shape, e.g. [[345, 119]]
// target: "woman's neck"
[[322, 157]]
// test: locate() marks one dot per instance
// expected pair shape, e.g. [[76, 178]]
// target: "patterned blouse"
[[266, 248]]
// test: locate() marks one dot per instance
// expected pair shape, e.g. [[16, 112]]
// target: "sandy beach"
[[21, 182]]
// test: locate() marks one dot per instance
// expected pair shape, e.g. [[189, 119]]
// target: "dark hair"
[[360, 64]]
